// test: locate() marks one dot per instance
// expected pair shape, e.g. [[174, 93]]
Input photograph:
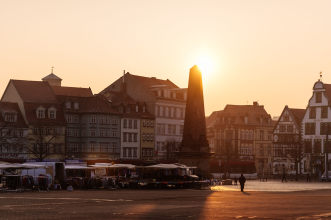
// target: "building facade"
[[43, 115], [13, 133], [316, 130], [287, 144], [241, 138], [165, 101]]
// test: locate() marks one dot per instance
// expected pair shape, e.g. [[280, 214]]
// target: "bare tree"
[[13, 139], [295, 154], [41, 142]]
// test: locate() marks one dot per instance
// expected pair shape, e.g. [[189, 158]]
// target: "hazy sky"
[[266, 51]]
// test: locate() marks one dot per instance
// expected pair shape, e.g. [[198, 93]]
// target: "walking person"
[[284, 175], [242, 181]]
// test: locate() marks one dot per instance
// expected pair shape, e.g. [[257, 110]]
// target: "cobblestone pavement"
[[166, 204], [276, 186]]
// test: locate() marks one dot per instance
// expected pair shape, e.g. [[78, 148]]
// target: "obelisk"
[[194, 150]]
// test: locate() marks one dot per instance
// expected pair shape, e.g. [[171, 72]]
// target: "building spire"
[[52, 68], [321, 75]]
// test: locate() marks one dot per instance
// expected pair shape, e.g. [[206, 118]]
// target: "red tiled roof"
[[72, 91], [95, 104], [151, 81], [237, 113], [212, 119], [31, 114], [34, 91], [120, 97], [147, 82], [12, 107]]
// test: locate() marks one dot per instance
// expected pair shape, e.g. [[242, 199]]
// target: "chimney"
[[255, 103]]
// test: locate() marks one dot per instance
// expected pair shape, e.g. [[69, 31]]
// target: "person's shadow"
[[246, 193]]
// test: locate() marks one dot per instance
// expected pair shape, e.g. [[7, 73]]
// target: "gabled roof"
[[298, 114], [31, 114], [34, 91], [95, 104], [51, 76], [147, 82], [151, 81], [235, 114], [11, 107], [212, 119], [72, 91], [120, 98]]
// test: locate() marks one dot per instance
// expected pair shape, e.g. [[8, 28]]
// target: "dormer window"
[[137, 108], [10, 117], [68, 105], [144, 108], [52, 113], [40, 112], [76, 105]]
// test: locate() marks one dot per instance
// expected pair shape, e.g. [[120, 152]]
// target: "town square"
[[155, 109]]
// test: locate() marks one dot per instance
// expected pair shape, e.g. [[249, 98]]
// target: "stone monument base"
[[196, 159]]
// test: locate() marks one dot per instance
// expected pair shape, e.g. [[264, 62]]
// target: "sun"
[[205, 64]]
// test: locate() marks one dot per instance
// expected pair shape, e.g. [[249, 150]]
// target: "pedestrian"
[[284, 175], [242, 181]]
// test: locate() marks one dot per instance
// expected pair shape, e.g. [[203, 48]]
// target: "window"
[[130, 123], [312, 112], [317, 146], [181, 129], [324, 112], [261, 135], [125, 125], [76, 105], [125, 139], [137, 108], [324, 129], [309, 128], [41, 113], [282, 128], [68, 105], [52, 114], [181, 113], [161, 111], [93, 119], [92, 133], [103, 132], [10, 117], [290, 128], [318, 96], [134, 152], [308, 146], [135, 137], [135, 124], [286, 118]]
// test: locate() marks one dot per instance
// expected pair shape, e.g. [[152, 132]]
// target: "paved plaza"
[[219, 203]]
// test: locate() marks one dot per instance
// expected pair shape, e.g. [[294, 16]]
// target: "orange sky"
[[270, 51]]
